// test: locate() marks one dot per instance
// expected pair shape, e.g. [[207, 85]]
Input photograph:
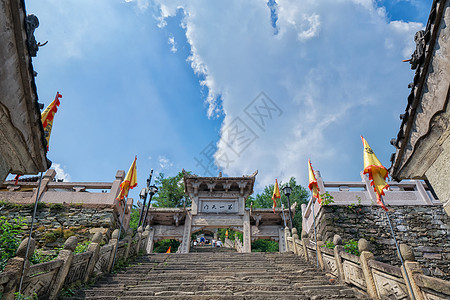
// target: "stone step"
[[218, 275]]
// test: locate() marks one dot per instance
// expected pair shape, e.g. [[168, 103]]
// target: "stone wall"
[[424, 228], [55, 223]]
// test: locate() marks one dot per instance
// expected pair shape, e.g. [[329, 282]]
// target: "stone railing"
[[410, 193], [46, 280], [228, 243], [379, 280], [95, 195], [238, 244]]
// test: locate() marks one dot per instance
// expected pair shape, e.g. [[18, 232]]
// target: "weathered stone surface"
[[407, 252], [97, 238], [429, 240], [21, 251], [363, 245], [71, 243]]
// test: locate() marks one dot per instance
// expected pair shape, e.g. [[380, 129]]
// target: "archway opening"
[[163, 245]]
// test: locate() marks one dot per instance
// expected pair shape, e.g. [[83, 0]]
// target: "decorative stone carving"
[[31, 23]]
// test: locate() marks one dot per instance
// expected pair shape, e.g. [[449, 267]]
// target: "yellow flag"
[[275, 195], [377, 172], [47, 117], [313, 186], [129, 182]]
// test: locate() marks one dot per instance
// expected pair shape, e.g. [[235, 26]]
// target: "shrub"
[[10, 232], [265, 246], [352, 247]]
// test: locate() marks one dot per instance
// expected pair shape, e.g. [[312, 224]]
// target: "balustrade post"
[[115, 242], [66, 255], [365, 256], [319, 245], [294, 238], [17, 265], [338, 249], [304, 241], [287, 234], [412, 267], [138, 239], [129, 241], [149, 243], [93, 247]]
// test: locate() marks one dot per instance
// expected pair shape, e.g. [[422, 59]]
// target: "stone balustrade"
[[405, 193], [46, 280], [379, 280]]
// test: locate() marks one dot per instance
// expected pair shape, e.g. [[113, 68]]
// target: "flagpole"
[[315, 234], [31, 231], [398, 251], [120, 231]]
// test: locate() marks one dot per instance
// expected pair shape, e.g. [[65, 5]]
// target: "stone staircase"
[[224, 275], [211, 249]]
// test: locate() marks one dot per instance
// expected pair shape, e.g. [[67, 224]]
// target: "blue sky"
[[230, 85]]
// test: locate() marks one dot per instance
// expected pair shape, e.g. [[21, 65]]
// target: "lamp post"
[[152, 190], [143, 195], [287, 191]]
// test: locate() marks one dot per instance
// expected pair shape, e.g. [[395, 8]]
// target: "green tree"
[[134, 219], [170, 192], [299, 194]]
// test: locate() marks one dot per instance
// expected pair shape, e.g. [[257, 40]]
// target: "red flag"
[[275, 195], [168, 250]]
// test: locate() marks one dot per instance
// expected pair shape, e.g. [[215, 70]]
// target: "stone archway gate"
[[217, 202]]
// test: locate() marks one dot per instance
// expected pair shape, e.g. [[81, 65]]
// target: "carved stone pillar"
[[150, 243], [365, 256], [186, 243], [66, 255], [282, 241], [412, 267], [93, 247], [115, 242], [319, 245], [304, 241], [338, 248], [15, 265], [247, 232]]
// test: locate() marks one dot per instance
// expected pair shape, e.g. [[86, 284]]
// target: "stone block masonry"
[[424, 228], [55, 223]]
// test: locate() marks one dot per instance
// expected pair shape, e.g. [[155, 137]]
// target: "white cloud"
[[171, 42], [334, 69], [312, 27], [60, 173], [164, 162]]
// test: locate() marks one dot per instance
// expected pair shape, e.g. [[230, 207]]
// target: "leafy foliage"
[[299, 194], [329, 245], [327, 199], [10, 232], [265, 246], [162, 246], [351, 247], [221, 232], [82, 247], [134, 221], [170, 192]]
